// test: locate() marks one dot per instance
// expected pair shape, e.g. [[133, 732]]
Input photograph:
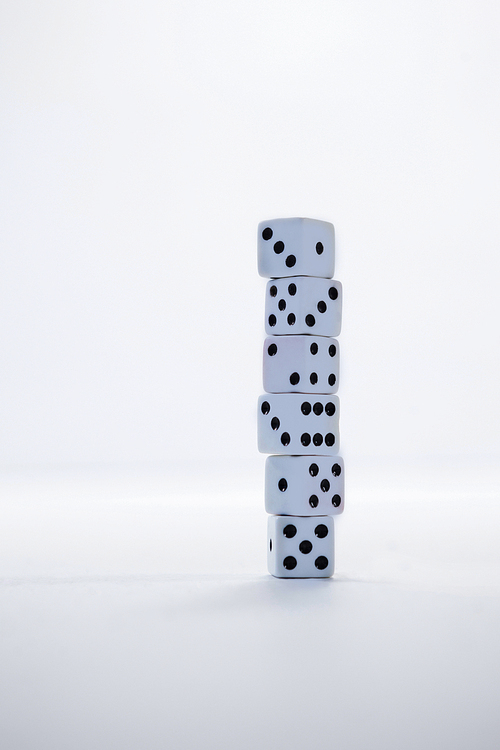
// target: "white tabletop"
[[136, 612]]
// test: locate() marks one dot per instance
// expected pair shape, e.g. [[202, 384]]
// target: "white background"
[[141, 144]]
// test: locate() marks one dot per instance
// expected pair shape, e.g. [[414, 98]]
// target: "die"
[[301, 364], [300, 547], [304, 485], [303, 305], [298, 424], [296, 247]]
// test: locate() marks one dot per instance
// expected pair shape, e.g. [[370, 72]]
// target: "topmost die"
[[296, 247]]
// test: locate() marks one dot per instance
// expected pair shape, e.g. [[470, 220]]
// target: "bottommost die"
[[300, 546]]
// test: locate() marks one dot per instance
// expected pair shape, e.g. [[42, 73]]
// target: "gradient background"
[[141, 145]]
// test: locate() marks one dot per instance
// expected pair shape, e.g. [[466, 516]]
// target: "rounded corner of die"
[[269, 506]]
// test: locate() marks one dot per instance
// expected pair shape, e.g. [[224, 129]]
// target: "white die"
[[303, 304], [304, 485], [301, 364], [298, 424], [300, 547], [296, 247]]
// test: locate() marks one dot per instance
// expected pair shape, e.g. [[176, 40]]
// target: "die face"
[[304, 485], [296, 247], [302, 305], [300, 364], [298, 424], [299, 547]]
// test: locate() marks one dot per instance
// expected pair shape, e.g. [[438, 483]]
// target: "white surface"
[[137, 612]]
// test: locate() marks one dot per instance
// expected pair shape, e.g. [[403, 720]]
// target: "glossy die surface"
[[302, 304], [300, 547], [296, 247], [301, 364], [298, 424], [304, 485]]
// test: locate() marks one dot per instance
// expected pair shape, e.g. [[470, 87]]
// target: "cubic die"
[[302, 304], [300, 547], [301, 364], [296, 247], [298, 424], [304, 485]]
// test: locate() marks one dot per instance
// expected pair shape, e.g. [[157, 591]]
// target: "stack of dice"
[[298, 416]]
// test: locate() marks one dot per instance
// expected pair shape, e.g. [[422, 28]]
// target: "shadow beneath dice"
[[224, 595]]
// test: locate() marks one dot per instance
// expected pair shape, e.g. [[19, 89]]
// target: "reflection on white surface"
[[137, 614]]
